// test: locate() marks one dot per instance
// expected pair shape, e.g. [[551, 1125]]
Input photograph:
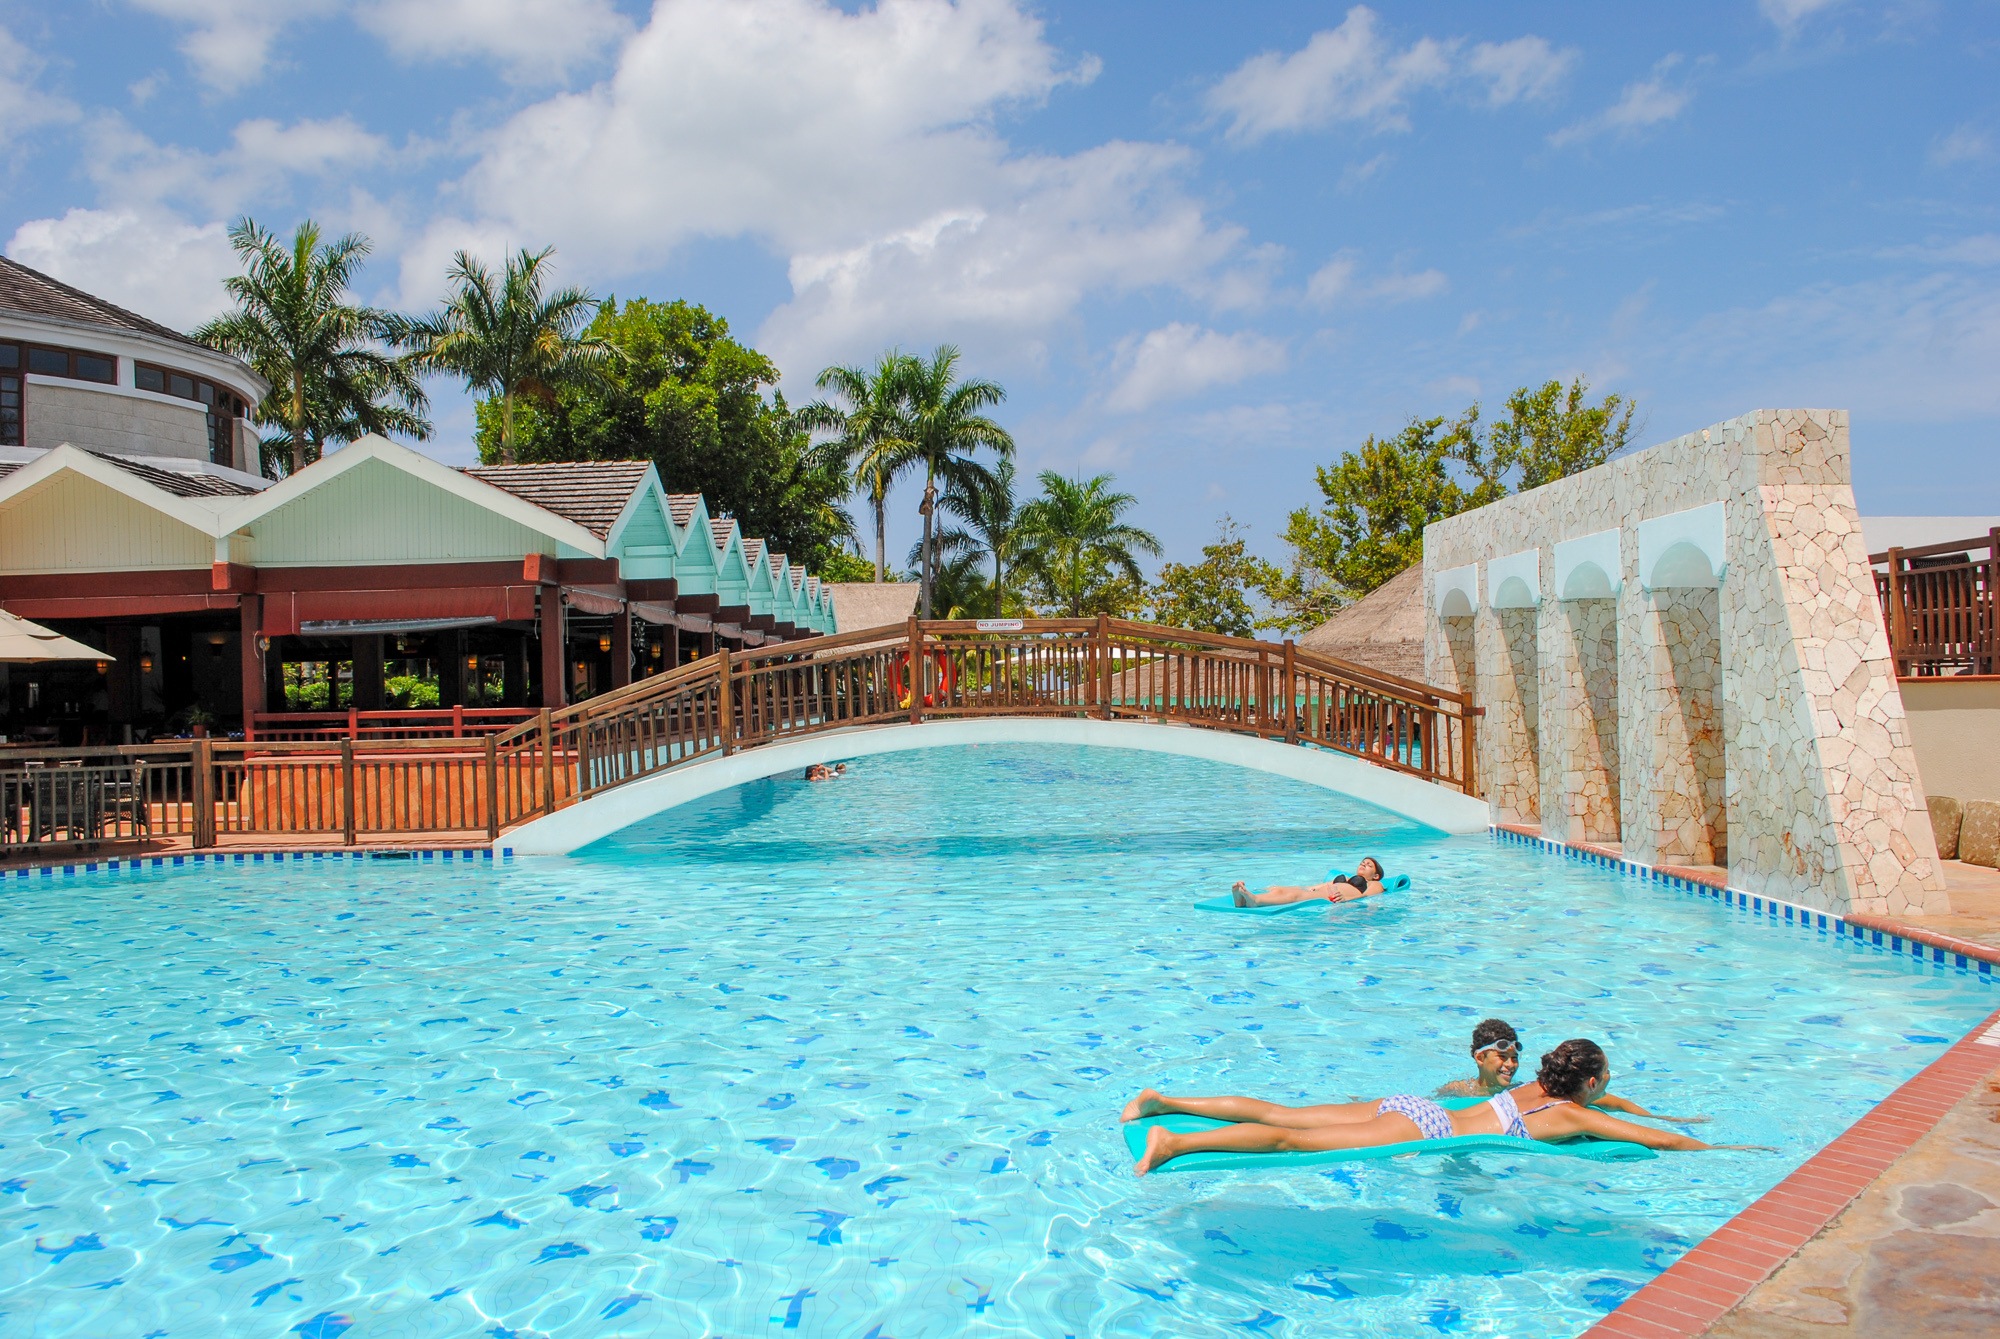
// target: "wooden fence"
[[1939, 603], [347, 790]]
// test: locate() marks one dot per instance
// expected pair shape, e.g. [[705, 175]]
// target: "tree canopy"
[[688, 396], [1214, 595], [1376, 500], [1077, 554], [331, 375]]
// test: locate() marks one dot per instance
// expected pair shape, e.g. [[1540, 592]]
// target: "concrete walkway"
[[1917, 1254]]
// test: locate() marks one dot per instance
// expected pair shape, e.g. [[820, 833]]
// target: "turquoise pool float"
[[1394, 883], [1595, 1150]]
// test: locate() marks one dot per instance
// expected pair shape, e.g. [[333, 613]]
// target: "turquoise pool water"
[[846, 1059]]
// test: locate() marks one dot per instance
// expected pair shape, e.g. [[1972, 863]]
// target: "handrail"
[[1941, 606], [346, 789]]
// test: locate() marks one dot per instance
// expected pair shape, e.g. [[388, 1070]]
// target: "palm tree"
[[296, 327], [943, 426], [508, 338], [868, 432], [992, 524], [1072, 539]]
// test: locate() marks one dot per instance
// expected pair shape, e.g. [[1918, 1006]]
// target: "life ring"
[[899, 669]]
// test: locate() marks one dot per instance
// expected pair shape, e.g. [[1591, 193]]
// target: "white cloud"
[[1920, 350], [230, 41], [1787, 15], [1979, 249], [262, 161], [862, 147], [532, 40], [1180, 360], [23, 107], [1350, 73], [151, 262], [1644, 104], [1342, 74], [1337, 281], [1525, 69], [1961, 144]]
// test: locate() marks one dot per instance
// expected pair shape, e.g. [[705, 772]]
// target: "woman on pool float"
[[1556, 1106], [1366, 881], [1496, 1051]]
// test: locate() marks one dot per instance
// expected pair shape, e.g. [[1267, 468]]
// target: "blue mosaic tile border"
[[443, 854], [1777, 912]]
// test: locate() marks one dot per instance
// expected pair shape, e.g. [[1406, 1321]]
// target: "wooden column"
[[250, 613], [555, 670], [367, 652], [1899, 616], [621, 649]]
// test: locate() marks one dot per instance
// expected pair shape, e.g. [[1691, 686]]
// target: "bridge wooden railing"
[[1104, 668], [205, 793], [1941, 606]]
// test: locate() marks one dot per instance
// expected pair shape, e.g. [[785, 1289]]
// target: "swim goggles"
[[1504, 1047]]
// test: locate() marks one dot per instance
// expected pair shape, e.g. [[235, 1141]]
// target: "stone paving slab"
[[1918, 1253]]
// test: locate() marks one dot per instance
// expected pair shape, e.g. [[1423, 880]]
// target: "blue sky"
[[1204, 246]]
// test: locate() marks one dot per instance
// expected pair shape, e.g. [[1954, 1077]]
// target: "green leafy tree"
[[298, 328], [508, 338], [840, 565], [1553, 432], [1213, 595], [1076, 550], [1377, 500], [990, 525], [943, 426], [866, 419], [685, 394]]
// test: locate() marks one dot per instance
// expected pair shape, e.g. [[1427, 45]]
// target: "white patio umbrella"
[[23, 642]]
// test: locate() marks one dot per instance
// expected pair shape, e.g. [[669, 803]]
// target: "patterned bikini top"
[[1510, 1114]]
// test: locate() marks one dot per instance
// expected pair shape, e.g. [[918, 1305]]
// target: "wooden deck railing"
[[422, 723], [1941, 606], [346, 790]]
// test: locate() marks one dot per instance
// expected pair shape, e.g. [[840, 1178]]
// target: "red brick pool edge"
[[1700, 1287]]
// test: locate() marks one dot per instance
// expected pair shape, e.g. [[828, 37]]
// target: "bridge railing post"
[[916, 678], [1104, 671], [1291, 672], [725, 695]]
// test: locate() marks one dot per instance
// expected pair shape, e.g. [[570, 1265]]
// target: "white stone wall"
[[101, 419], [1758, 723]]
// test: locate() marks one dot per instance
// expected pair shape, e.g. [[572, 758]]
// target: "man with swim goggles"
[[1496, 1050]]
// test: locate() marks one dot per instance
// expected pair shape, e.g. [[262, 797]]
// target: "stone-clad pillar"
[[1580, 778], [1504, 645]]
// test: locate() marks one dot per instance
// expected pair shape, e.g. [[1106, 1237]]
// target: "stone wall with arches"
[[1681, 653]]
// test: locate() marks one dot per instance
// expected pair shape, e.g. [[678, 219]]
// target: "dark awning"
[[351, 627]]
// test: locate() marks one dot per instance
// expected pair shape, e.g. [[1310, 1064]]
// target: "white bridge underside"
[[601, 815]]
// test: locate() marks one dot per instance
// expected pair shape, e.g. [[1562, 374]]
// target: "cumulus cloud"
[[1961, 144], [1525, 69], [1787, 15], [1643, 104], [1180, 360], [151, 262], [1352, 73], [261, 160], [1340, 281], [862, 147], [532, 40], [23, 107], [229, 41]]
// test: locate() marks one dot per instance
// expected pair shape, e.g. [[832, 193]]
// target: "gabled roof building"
[[526, 586]]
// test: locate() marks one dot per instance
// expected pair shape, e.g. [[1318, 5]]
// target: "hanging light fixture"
[[104, 667], [604, 642], [472, 664], [146, 663]]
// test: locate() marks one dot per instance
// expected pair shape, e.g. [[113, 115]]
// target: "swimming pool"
[[846, 1059]]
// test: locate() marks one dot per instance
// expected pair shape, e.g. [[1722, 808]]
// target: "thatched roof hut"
[[872, 604], [1383, 630]]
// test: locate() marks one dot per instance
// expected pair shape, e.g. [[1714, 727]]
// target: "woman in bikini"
[[1366, 881], [1557, 1105]]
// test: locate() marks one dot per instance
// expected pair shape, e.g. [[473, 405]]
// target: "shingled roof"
[[32, 293], [590, 492], [167, 481]]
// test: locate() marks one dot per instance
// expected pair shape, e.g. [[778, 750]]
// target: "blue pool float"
[[1393, 883], [1596, 1150]]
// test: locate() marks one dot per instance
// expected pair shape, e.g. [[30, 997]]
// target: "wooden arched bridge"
[[350, 789]]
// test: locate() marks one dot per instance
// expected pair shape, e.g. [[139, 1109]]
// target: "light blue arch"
[[590, 820]]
